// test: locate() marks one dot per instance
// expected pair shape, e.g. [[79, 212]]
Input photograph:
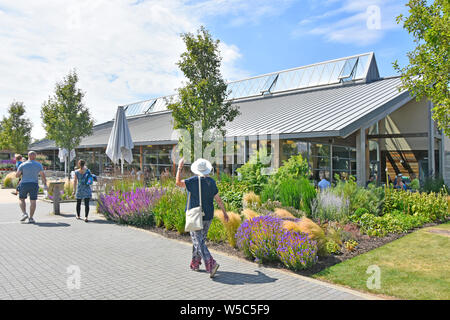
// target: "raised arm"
[[180, 182]]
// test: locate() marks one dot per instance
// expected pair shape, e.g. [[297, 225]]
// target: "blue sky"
[[287, 39], [125, 50]]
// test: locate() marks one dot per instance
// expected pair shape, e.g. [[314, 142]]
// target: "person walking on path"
[[18, 163], [82, 188], [29, 185], [201, 168]]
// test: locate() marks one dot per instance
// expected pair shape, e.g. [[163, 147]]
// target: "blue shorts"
[[28, 188]]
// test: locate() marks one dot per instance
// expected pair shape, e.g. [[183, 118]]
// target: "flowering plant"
[[132, 207], [265, 239]]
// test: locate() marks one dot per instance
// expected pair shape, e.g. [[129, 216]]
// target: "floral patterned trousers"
[[199, 249]]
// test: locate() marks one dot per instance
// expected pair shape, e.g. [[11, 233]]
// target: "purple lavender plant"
[[129, 207], [264, 239], [296, 251]]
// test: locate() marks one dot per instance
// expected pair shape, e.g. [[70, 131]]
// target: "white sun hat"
[[201, 167]]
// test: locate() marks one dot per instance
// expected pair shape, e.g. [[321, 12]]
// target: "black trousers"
[[86, 206]]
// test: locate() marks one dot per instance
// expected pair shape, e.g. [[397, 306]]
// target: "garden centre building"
[[341, 115]]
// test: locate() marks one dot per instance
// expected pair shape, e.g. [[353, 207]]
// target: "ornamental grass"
[[231, 226], [249, 214], [10, 181], [283, 213], [251, 200]]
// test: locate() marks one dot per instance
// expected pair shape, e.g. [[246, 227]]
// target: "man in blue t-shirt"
[[29, 185], [209, 192], [323, 183]]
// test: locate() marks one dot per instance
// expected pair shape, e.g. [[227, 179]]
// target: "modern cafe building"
[[341, 115]]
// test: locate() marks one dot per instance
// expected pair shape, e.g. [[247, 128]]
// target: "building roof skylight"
[[355, 68]]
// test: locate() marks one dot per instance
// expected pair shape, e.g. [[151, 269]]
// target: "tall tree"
[[65, 118], [15, 132], [203, 98], [428, 72]]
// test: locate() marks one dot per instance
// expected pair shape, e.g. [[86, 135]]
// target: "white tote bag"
[[194, 216]]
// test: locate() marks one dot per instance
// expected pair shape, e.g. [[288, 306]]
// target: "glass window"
[[320, 160], [344, 161]]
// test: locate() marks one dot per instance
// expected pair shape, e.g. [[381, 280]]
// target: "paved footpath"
[[41, 261]]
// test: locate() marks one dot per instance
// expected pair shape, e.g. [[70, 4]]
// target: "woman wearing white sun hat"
[[209, 192]]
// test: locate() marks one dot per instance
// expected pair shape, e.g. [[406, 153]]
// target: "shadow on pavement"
[[235, 278], [52, 224]]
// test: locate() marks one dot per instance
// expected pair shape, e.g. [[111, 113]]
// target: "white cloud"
[[243, 12], [123, 50], [352, 21]]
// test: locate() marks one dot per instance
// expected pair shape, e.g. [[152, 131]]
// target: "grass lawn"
[[416, 266]]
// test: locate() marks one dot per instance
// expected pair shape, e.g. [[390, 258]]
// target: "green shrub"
[[252, 172], [217, 232], [415, 185], [434, 185], [232, 191], [360, 211], [432, 205], [169, 211], [358, 197], [332, 247], [295, 167]]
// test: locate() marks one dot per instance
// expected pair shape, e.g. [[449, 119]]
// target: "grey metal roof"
[[44, 144], [358, 68], [331, 111]]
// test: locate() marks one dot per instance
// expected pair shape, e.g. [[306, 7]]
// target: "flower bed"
[[286, 221], [264, 239], [131, 207]]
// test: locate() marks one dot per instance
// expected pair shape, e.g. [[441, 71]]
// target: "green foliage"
[[360, 211], [204, 96], [415, 185], [433, 205], [434, 185], [169, 211], [124, 185], [252, 172], [332, 247], [297, 193], [269, 192], [231, 191], [395, 222], [295, 167], [65, 118], [371, 198], [404, 211], [15, 130], [217, 232], [428, 72]]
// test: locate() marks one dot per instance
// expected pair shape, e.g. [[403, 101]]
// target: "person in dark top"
[[201, 168], [19, 161]]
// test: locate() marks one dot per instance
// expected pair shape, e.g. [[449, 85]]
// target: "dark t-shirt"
[[209, 190]]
